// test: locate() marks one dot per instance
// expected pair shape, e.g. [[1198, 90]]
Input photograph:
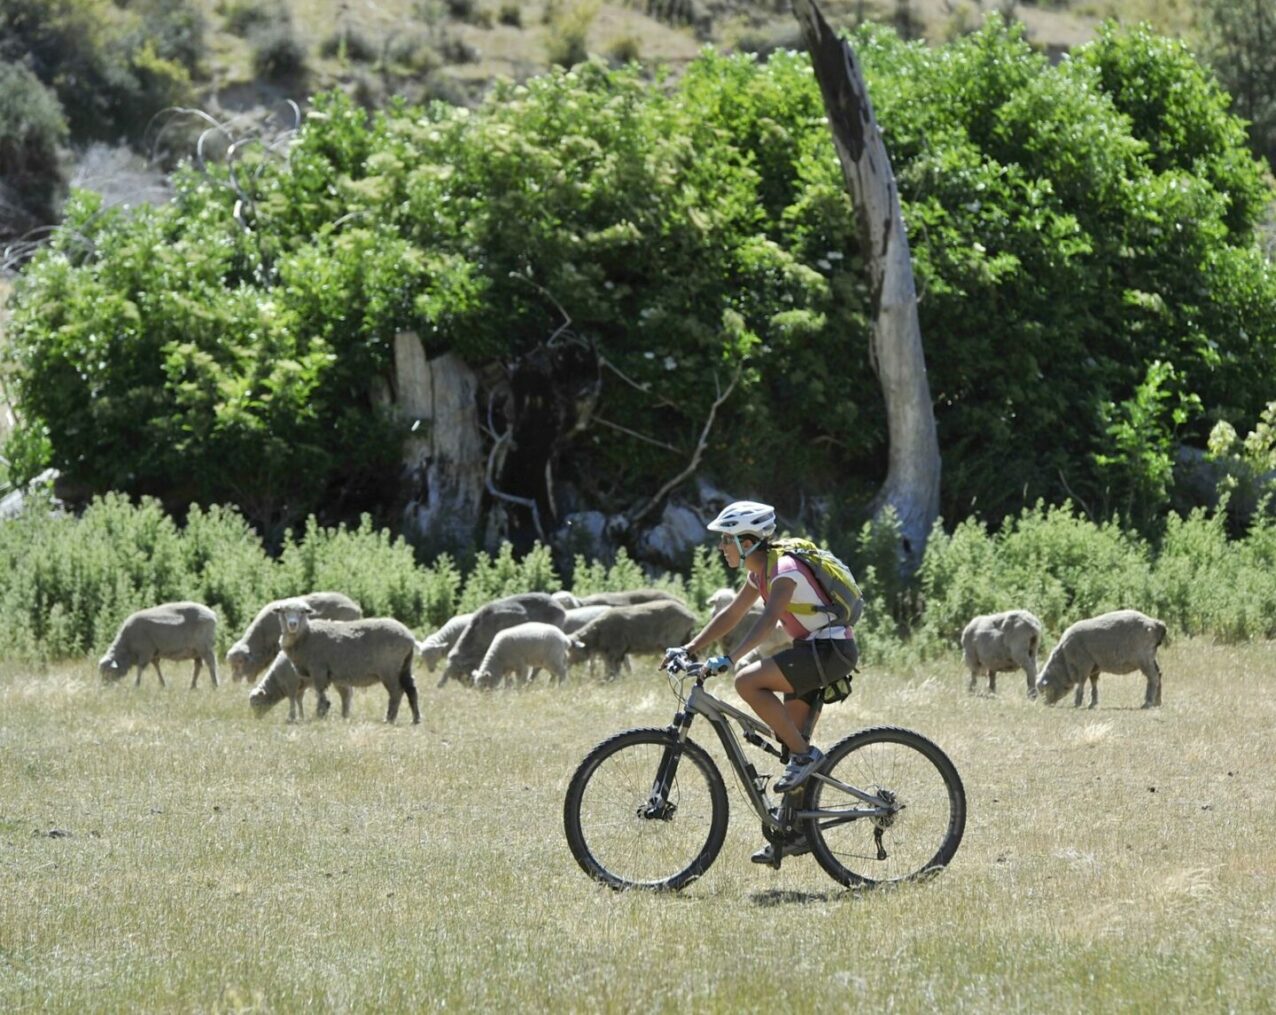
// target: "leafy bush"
[[32, 131], [112, 66], [698, 235], [277, 53]]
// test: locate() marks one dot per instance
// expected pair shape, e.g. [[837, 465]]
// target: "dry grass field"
[[165, 850]]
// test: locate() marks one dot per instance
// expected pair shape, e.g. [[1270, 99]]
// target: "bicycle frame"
[[720, 715]]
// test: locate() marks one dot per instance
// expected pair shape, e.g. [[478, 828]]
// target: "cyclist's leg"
[[760, 684]]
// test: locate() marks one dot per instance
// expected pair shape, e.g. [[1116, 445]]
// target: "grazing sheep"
[[643, 629], [632, 597], [260, 643], [436, 646], [355, 652], [1117, 642], [466, 655], [776, 641], [995, 643], [168, 631], [524, 650], [282, 681]]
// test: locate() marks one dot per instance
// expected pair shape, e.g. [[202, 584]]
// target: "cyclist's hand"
[[717, 664], [675, 659]]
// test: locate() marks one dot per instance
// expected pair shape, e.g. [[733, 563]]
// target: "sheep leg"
[[320, 684], [974, 675], [210, 661], [1152, 699], [409, 687], [346, 693], [992, 681], [1094, 689], [396, 695], [195, 674], [155, 663], [1079, 696]]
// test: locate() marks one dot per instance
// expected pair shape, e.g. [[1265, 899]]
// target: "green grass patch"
[[166, 850]]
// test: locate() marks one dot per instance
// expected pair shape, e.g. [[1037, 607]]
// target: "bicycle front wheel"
[[645, 810], [911, 826]]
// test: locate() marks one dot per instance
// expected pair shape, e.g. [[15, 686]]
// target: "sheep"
[[526, 649], [1116, 642], [472, 645], [281, 681], [260, 642], [632, 597], [182, 630], [566, 600], [995, 643], [774, 641], [436, 646], [355, 652], [646, 628]]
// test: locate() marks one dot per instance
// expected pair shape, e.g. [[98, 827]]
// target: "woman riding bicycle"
[[821, 654]]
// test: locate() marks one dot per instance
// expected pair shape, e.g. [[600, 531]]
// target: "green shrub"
[[510, 14], [277, 53], [32, 131], [348, 44], [243, 17]]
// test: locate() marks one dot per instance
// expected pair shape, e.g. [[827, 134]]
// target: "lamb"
[[282, 681], [775, 641], [355, 652], [260, 643], [467, 654], [525, 649], [1117, 642], [436, 646], [643, 629], [182, 630], [995, 643]]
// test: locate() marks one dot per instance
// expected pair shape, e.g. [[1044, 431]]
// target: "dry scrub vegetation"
[[165, 850]]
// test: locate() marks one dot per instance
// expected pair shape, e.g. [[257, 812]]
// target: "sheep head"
[[294, 620]]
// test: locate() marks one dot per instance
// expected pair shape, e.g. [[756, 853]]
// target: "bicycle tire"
[[915, 842], [615, 842]]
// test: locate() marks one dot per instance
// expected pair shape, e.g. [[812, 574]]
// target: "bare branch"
[[494, 457], [700, 445], [635, 434]]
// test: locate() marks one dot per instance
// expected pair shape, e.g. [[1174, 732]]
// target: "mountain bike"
[[647, 808]]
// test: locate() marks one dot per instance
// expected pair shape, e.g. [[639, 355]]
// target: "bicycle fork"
[[658, 806]]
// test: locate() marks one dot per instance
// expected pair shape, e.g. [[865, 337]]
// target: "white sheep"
[[259, 645], [995, 643], [437, 645], [177, 631], [566, 600], [466, 655], [1117, 642], [523, 651], [281, 681], [776, 640], [644, 629], [355, 652]]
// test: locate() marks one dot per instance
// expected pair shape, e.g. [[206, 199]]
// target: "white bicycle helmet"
[[745, 518]]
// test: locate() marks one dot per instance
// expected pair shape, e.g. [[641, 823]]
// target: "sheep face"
[[110, 667], [294, 618], [238, 657], [1054, 682]]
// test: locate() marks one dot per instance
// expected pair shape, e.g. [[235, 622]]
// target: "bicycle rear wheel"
[[644, 810], [919, 790]]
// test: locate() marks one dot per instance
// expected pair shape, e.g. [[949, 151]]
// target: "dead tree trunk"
[[912, 477]]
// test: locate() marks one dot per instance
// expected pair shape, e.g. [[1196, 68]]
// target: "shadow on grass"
[[787, 897]]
